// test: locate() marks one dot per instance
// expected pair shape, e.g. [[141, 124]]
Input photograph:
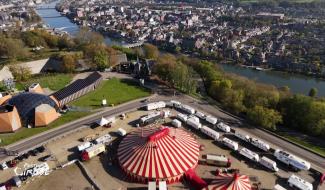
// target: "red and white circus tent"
[[158, 153], [230, 182]]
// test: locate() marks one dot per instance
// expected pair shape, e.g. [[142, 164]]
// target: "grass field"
[[318, 149], [115, 91], [52, 81], [25, 133]]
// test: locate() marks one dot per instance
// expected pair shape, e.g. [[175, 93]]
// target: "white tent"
[[102, 122]]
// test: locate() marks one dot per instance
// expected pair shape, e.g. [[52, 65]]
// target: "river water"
[[296, 83]]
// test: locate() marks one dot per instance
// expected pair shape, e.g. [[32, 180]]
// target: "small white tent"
[[102, 122]]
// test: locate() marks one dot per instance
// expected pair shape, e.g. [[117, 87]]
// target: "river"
[[296, 83]]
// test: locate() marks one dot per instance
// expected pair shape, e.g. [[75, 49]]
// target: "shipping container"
[[218, 160], [249, 154], [260, 144], [105, 139], [268, 163], [83, 146], [210, 132], [155, 105], [242, 136], [92, 151], [230, 144], [299, 183], [182, 117], [193, 123], [121, 132], [212, 120], [176, 123], [223, 127], [291, 160]]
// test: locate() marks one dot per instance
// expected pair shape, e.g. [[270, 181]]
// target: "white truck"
[[212, 120], [83, 146], [291, 160], [92, 151], [194, 124], [260, 144], [299, 183], [200, 115], [210, 132], [230, 144], [155, 105], [249, 154], [242, 136], [121, 132], [182, 117], [268, 163], [104, 139], [223, 127], [176, 123], [187, 109]]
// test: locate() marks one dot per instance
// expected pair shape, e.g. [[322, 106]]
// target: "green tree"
[[68, 63], [20, 73], [64, 42], [11, 48], [313, 92], [267, 118], [150, 51], [101, 60]]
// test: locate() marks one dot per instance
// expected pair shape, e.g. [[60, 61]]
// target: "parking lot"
[[64, 149]]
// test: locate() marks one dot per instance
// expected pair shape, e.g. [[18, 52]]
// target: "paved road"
[[317, 161]]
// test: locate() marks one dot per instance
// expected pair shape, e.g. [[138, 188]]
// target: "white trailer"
[[223, 127], [242, 136], [200, 115], [92, 151], [249, 154], [299, 183], [152, 185], [187, 109], [260, 144], [176, 123], [230, 144], [150, 118], [121, 132], [210, 132], [218, 160], [175, 104], [278, 187], [212, 120], [291, 160], [103, 139], [196, 125], [268, 163], [194, 118], [155, 105], [85, 145], [182, 117]]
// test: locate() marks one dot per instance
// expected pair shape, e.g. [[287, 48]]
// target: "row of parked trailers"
[[193, 121]]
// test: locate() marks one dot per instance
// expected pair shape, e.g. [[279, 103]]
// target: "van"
[[268, 163]]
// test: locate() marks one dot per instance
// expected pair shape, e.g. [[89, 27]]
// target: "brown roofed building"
[[44, 115], [9, 119]]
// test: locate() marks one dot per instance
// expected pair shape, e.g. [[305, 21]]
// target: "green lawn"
[[318, 149], [25, 133], [52, 81], [115, 91]]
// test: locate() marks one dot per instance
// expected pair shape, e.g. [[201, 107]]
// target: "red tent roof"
[[153, 153], [230, 182]]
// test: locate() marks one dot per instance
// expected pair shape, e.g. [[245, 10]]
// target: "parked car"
[[40, 149], [4, 166]]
